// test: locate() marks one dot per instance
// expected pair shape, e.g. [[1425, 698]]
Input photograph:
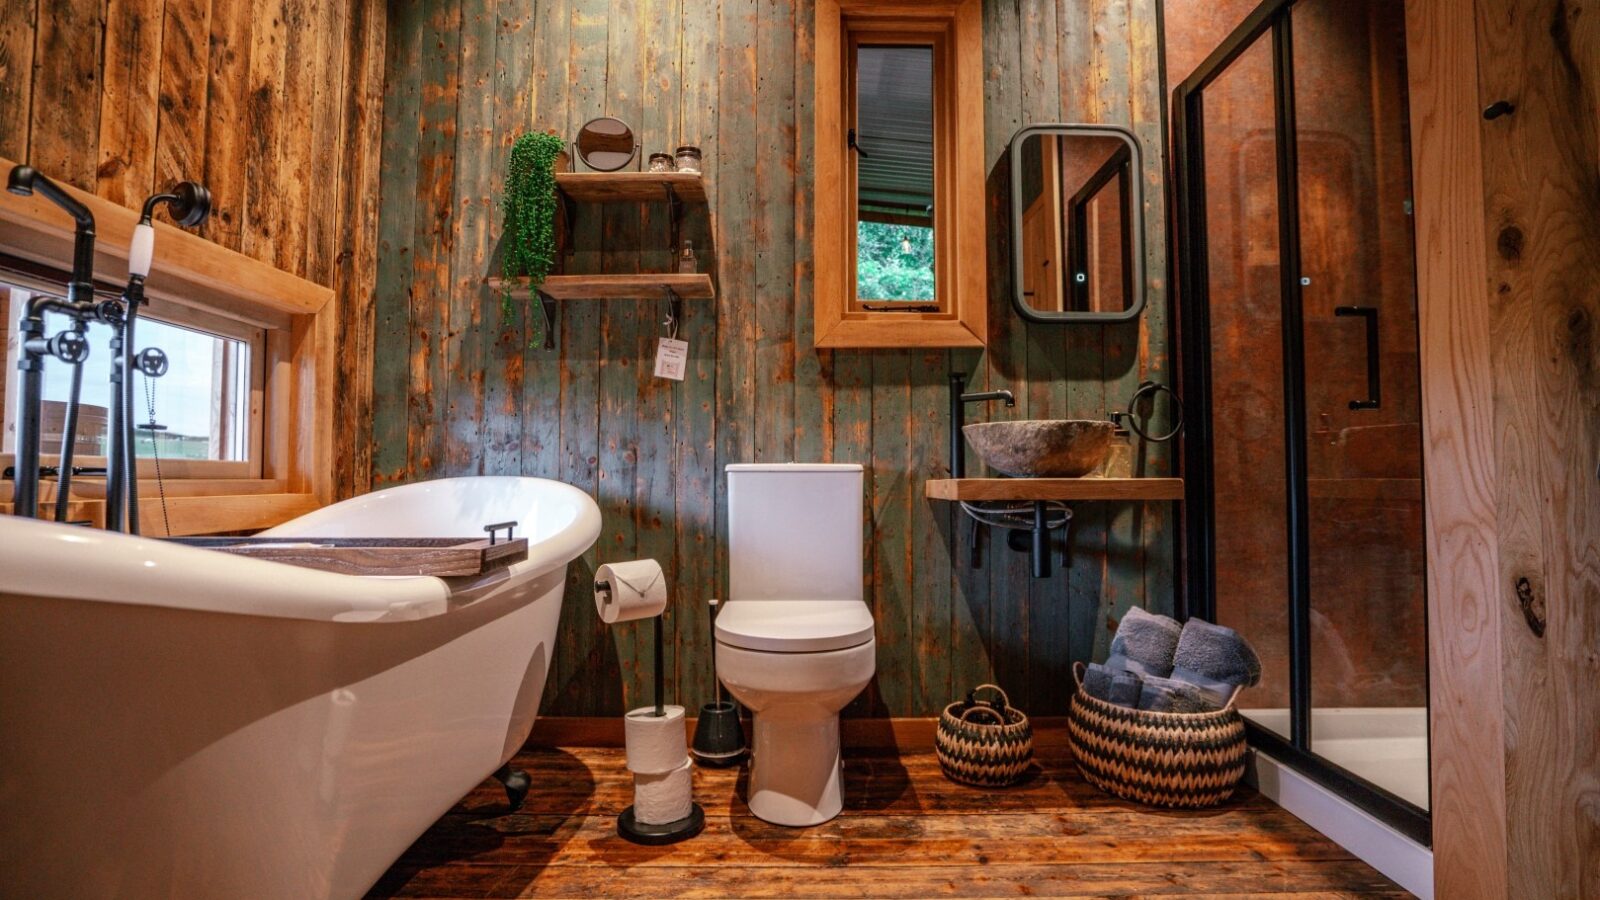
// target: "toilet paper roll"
[[637, 590], [662, 798], [655, 744]]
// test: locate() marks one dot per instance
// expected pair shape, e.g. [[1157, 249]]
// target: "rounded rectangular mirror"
[[1077, 224]]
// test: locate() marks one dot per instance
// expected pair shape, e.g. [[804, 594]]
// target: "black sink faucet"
[[958, 415]]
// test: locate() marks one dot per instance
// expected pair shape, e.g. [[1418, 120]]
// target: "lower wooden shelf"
[[692, 286], [1055, 488]]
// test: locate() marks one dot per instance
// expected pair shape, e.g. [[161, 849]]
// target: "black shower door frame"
[[1272, 20]]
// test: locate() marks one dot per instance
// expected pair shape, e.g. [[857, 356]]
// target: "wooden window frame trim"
[[299, 366], [961, 263]]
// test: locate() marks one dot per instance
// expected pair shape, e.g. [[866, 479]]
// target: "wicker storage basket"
[[1159, 758], [982, 743]]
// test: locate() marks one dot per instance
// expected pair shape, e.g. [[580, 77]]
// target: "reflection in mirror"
[[1078, 225], [606, 144], [892, 144]]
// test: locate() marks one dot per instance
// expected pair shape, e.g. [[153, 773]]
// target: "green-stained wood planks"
[[735, 79]]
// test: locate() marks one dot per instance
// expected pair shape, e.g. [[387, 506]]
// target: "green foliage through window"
[[894, 262]]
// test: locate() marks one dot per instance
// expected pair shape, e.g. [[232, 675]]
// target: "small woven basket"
[[1178, 760], [982, 743]]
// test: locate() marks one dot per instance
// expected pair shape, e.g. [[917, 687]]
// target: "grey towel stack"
[[1144, 644], [1158, 694], [1216, 660], [1114, 687]]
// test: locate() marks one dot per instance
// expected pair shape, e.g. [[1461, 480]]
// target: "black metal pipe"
[[130, 457], [25, 181], [1039, 552], [69, 437], [958, 416], [661, 666], [116, 483]]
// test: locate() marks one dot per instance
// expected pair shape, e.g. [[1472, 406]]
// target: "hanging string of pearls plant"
[[530, 220]]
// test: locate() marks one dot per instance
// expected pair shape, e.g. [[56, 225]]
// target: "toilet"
[[794, 639]]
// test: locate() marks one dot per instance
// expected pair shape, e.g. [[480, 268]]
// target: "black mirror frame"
[[1136, 231]]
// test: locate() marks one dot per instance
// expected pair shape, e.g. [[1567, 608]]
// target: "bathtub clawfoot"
[[516, 783]]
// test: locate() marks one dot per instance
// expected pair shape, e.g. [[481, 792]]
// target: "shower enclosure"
[[1299, 333]]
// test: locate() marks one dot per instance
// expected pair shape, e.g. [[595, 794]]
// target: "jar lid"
[[656, 156], [689, 149]]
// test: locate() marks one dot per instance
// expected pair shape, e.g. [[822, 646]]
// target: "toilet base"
[[796, 773]]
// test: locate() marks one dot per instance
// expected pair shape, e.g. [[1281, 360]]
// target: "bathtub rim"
[[110, 567]]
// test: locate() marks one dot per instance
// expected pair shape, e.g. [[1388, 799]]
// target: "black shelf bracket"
[[675, 209], [674, 305], [547, 307]]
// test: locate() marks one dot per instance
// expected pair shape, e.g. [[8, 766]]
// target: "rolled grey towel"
[[1158, 694], [1216, 659], [1110, 685], [1125, 688], [1144, 644]]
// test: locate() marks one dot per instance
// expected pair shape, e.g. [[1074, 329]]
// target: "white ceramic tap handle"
[[141, 250]]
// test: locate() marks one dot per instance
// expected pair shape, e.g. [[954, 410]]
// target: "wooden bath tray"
[[375, 556]]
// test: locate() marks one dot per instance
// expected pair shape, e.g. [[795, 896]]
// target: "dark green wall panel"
[[461, 391]]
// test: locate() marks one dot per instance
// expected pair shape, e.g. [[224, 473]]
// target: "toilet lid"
[[794, 626]]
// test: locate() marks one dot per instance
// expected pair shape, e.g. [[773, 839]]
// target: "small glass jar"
[[661, 162], [688, 159]]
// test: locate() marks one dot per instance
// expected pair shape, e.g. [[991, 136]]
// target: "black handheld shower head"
[[188, 202]]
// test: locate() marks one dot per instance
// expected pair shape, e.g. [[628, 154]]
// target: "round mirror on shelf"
[[606, 144]]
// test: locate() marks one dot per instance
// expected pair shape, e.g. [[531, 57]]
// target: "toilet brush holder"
[[719, 735]]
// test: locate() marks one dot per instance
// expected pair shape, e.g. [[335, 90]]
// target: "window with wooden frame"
[[899, 239], [248, 438]]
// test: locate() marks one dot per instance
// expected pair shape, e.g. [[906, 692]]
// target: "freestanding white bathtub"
[[177, 722]]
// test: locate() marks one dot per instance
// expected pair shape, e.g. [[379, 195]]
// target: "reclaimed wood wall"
[[460, 390], [1510, 301], [274, 105]]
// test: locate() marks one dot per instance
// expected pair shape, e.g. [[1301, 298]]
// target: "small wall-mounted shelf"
[[1123, 489], [637, 187], [671, 286]]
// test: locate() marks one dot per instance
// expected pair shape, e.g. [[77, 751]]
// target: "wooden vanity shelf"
[[1115, 489]]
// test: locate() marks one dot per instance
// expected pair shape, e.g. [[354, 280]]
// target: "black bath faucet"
[[958, 416]]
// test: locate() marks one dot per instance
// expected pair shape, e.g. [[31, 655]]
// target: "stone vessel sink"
[[1042, 448]]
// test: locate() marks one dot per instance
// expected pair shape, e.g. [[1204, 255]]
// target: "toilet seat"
[[794, 626]]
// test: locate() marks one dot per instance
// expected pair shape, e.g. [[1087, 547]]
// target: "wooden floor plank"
[[906, 832]]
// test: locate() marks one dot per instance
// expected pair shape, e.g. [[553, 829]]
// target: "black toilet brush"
[[718, 734]]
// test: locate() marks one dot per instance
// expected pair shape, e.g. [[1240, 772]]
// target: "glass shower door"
[[1362, 410], [1299, 336]]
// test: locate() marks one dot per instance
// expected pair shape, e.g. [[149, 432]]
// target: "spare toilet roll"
[[664, 797], [655, 744], [638, 590]]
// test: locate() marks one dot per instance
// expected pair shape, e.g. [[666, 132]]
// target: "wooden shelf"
[[639, 187], [695, 286], [1055, 489]]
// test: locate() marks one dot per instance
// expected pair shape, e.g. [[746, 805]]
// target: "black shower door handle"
[[1374, 392]]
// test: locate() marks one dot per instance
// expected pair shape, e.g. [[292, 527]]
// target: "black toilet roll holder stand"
[[629, 827]]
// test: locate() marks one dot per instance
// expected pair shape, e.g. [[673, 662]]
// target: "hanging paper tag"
[[672, 357]]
